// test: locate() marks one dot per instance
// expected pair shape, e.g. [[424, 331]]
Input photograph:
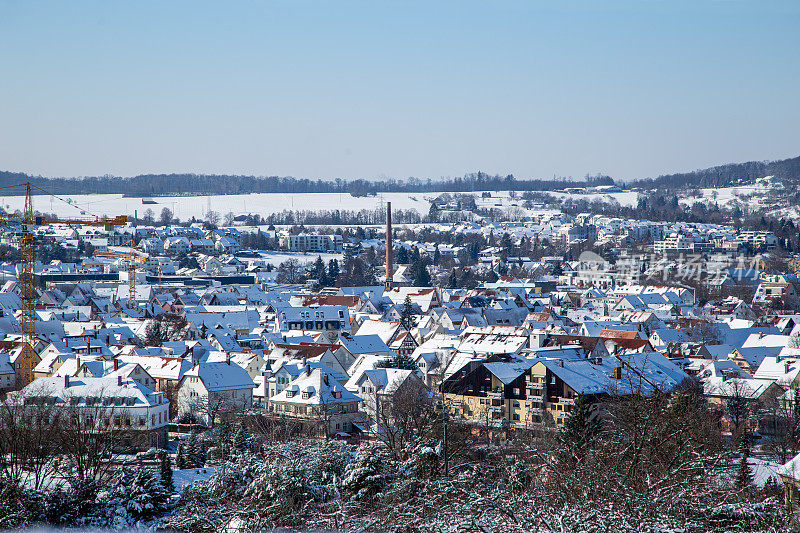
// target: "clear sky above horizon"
[[396, 89]]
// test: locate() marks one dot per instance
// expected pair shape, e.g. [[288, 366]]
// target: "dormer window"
[[290, 394], [306, 395]]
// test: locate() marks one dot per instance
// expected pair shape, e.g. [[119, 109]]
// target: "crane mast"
[[27, 275], [28, 290]]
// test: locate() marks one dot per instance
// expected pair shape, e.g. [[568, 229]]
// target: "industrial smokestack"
[[389, 264]]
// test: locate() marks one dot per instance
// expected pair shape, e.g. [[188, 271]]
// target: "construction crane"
[[132, 259], [27, 278]]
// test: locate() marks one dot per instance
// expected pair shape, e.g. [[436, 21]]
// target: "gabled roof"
[[358, 344], [508, 372], [222, 376], [316, 390]]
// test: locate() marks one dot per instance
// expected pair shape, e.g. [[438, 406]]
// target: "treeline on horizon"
[[213, 184]]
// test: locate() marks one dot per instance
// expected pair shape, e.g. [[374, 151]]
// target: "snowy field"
[[186, 207], [276, 258], [625, 199], [754, 196]]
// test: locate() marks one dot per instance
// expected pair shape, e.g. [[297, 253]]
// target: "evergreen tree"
[[370, 279], [240, 439], [579, 427], [557, 270], [166, 469], [224, 437], [333, 271], [407, 314], [505, 243], [452, 280], [180, 457], [419, 271], [194, 452], [398, 360], [433, 213], [401, 255], [318, 272]]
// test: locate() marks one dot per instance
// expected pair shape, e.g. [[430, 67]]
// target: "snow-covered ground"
[[276, 258], [186, 207], [759, 195], [762, 470], [626, 198], [184, 478]]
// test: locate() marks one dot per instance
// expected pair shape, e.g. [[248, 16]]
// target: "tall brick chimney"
[[389, 264]]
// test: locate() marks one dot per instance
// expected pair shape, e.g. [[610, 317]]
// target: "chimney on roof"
[[66, 381], [228, 358], [308, 369], [325, 379], [617, 372], [116, 364], [389, 264], [119, 381]]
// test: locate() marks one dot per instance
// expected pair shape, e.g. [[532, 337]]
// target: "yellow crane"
[[132, 259], [27, 279]]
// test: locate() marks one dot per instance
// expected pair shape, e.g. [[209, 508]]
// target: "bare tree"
[[28, 444], [212, 218], [166, 217]]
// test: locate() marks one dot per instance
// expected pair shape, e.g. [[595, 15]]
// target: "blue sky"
[[396, 89]]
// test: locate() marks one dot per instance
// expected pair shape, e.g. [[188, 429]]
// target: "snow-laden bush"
[[266, 489], [140, 491], [130, 496], [421, 462], [368, 473]]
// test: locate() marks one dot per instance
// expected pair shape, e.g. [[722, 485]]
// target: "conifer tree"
[[407, 314], [240, 439], [166, 469], [180, 457], [580, 426]]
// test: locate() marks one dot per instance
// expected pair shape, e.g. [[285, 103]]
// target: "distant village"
[[159, 331]]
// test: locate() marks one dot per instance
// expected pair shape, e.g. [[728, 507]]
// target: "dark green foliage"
[[319, 273], [195, 453], [240, 439], [580, 426], [165, 469], [180, 457], [407, 314], [401, 361], [333, 271], [420, 274]]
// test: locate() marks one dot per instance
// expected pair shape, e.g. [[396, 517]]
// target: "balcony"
[[495, 394], [566, 401]]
